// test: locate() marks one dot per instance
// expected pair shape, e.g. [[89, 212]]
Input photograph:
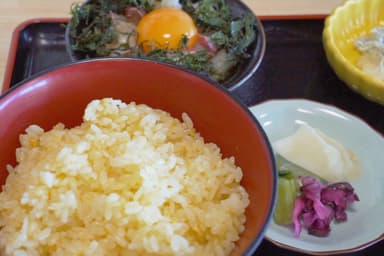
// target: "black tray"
[[294, 66]]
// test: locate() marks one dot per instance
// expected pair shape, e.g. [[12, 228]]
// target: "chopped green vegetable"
[[288, 188], [212, 14], [197, 61], [234, 34]]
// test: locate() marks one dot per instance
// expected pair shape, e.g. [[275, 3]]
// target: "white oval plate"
[[364, 226]]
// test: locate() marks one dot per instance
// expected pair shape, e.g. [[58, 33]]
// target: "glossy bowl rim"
[[246, 74], [330, 48], [255, 242]]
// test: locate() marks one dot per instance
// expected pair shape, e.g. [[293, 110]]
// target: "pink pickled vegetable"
[[319, 204], [339, 196], [299, 207]]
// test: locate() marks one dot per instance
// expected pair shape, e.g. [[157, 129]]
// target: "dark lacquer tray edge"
[[11, 59]]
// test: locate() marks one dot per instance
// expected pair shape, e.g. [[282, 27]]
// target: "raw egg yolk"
[[164, 28]]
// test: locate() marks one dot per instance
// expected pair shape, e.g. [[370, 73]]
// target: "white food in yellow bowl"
[[371, 47], [347, 23]]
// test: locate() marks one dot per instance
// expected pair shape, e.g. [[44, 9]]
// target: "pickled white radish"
[[320, 154]]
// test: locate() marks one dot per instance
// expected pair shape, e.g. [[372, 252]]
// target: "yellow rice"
[[130, 180]]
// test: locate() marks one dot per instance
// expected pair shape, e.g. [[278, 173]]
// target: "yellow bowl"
[[343, 26]]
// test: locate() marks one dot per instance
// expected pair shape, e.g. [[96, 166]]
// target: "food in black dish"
[[225, 41]]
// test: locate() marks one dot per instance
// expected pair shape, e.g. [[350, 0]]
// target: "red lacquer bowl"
[[62, 94]]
